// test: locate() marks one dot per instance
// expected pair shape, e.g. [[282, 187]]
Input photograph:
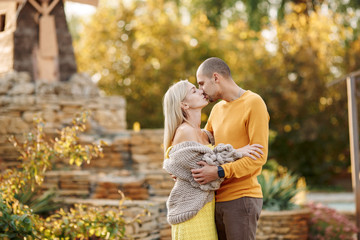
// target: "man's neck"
[[232, 92]]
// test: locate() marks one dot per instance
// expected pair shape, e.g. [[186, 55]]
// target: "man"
[[240, 119]]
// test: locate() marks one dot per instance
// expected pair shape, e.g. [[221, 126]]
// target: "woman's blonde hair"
[[173, 113]]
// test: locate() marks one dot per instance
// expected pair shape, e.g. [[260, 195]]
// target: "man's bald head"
[[214, 64]]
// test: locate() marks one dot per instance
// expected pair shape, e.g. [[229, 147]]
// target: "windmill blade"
[[94, 3], [19, 1], [47, 37], [47, 53]]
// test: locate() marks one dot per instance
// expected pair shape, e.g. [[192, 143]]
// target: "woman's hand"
[[252, 151], [173, 177]]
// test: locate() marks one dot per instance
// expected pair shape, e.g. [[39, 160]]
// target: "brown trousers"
[[237, 219]]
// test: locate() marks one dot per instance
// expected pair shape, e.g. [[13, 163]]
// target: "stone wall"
[[151, 226], [139, 176], [285, 225], [57, 103], [132, 161], [147, 156]]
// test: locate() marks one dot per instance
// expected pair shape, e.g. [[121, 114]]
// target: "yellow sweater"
[[241, 122]]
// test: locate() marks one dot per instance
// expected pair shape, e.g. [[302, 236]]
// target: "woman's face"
[[195, 98]]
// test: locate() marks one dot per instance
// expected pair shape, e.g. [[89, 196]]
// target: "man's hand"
[[205, 174]]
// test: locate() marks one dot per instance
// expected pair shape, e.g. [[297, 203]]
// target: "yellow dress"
[[200, 227]]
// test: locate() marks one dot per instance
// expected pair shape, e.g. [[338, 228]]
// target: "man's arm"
[[258, 132], [205, 174]]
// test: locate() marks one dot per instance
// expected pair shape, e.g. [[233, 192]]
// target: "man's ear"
[[216, 77]]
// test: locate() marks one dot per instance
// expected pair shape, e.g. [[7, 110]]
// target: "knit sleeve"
[[210, 136], [222, 153], [183, 159]]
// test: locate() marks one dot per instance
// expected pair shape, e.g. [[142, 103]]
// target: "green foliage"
[[278, 190], [213, 9], [18, 220], [37, 152], [306, 115], [271, 165], [39, 204], [84, 222], [138, 50], [260, 12], [14, 223]]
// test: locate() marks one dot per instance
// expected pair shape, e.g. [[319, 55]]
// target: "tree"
[[261, 12], [308, 118], [138, 51]]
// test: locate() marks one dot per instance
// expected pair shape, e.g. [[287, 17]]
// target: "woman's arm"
[[208, 173], [253, 151]]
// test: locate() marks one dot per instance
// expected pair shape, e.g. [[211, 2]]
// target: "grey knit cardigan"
[[187, 196]]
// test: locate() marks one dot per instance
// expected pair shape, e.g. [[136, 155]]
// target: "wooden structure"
[[354, 138], [34, 37], [7, 29]]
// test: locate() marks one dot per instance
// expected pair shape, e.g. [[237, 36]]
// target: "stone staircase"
[[101, 189], [127, 167], [132, 161]]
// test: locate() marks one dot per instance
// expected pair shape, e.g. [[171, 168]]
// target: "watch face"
[[221, 172]]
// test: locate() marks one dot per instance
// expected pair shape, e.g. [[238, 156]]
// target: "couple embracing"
[[216, 193]]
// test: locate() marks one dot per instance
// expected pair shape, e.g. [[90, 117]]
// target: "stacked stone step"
[[146, 149], [285, 225], [108, 187], [115, 148], [164, 226], [116, 154], [83, 183], [147, 155], [148, 228], [149, 212], [68, 183], [160, 183], [8, 154]]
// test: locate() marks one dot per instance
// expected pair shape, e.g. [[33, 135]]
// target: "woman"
[[191, 205]]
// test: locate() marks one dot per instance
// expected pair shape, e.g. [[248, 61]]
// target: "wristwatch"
[[221, 172]]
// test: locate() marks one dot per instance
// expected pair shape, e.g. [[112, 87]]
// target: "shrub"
[[14, 223], [40, 204], [18, 221], [84, 222], [279, 190], [328, 224]]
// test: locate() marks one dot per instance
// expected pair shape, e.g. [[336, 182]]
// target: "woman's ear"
[[184, 106]]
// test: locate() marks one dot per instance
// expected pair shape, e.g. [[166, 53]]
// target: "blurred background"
[[286, 51]]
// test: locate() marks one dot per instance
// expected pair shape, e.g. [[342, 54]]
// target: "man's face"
[[208, 86]]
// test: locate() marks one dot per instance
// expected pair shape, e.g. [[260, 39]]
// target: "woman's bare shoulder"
[[184, 133]]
